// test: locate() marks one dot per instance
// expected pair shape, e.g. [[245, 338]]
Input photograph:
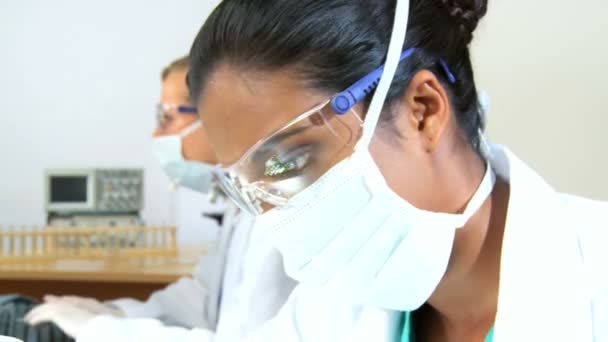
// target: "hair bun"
[[467, 13]]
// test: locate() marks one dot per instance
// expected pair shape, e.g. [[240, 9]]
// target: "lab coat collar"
[[542, 293]]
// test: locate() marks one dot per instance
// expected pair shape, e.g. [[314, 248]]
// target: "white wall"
[[78, 80], [78, 84], [545, 66]]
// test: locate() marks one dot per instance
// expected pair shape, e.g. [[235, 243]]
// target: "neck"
[[466, 299]]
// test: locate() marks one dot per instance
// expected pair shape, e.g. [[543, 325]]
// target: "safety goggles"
[[164, 110], [290, 159], [287, 161]]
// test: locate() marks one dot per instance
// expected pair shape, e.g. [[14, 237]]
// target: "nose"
[[267, 207]]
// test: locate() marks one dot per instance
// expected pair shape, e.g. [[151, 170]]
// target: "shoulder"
[[589, 219]]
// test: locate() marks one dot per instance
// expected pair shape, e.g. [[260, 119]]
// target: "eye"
[[166, 120], [288, 163]]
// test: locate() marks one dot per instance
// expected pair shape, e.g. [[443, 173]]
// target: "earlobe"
[[429, 107]]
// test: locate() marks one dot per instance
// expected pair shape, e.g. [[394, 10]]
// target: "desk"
[[101, 279]]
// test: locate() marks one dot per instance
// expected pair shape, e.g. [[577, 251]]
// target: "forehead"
[[174, 87], [239, 107]]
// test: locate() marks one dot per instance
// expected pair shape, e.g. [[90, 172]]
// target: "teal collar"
[[408, 336]]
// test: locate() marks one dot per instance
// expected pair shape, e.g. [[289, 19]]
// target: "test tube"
[[105, 241], [164, 238], [19, 248], [51, 247], [88, 241], [1, 242], [58, 241], [173, 242], [145, 238], [11, 242], [35, 242], [155, 237]]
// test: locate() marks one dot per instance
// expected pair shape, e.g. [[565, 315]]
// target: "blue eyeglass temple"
[[186, 109], [345, 100]]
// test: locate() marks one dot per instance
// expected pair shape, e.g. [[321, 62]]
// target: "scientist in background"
[[232, 291]]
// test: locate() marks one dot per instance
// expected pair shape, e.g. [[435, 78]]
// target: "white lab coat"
[[553, 283], [233, 291], [203, 288]]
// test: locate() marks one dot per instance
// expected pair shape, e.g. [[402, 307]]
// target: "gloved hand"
[[70, 318], [90, 304]]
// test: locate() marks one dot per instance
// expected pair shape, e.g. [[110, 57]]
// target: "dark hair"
[[331, 44], [178, 64]]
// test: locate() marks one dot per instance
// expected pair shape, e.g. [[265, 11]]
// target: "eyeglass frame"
[[163, 108]]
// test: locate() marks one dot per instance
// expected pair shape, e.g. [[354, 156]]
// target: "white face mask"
[[355, 233], [190, 174], [351, 231]]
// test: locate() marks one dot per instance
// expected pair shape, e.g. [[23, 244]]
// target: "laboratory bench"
[[99, 278]]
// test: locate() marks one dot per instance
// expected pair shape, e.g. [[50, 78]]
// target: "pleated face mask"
[[358, 235], [194, 175]]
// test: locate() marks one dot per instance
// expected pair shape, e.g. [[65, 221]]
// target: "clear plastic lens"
[[291, 159], [164, 112], [233, 190]]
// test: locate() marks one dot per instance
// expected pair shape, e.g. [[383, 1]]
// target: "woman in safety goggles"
[[361, 147]]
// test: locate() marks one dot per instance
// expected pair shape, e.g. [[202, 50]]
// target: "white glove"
[[89, 304], [8, 339], [70, 318]]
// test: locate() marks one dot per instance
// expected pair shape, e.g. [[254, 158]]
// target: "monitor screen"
[[68, 189]]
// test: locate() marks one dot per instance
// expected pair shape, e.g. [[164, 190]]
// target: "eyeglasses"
[[163, 111], [290, 159]]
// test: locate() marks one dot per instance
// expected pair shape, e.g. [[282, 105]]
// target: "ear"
[[428, 108]]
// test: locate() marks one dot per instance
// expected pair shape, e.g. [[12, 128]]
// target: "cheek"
[[196, 147], [403, 169]]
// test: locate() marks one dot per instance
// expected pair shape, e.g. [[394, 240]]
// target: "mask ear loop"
[[395, 48], [191, 128]]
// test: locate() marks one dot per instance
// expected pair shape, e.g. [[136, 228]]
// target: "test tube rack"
[[53, 243]]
